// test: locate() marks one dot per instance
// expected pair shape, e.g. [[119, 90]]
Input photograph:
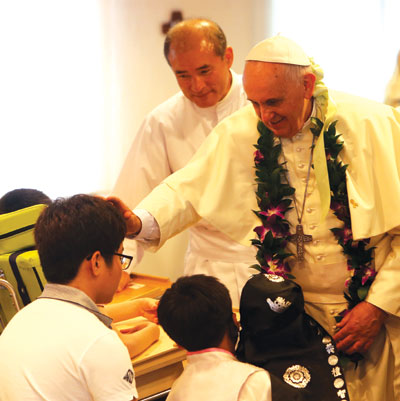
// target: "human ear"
[[95, 262], [229, 56], [309, 84], [234, 318]]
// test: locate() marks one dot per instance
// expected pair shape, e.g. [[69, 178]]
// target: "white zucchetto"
[[278, 49]]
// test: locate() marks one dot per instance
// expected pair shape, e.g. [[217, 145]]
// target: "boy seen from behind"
[[196, 312]]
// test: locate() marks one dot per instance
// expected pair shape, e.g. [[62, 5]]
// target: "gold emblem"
[[338, 383], [353, 203], [333, 360], [297, 376]]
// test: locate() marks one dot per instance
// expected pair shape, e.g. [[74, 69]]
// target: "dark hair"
[[71, 229], [196, 312], [209, 29], [22, 198]]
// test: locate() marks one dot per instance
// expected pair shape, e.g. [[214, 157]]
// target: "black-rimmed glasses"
[[125, 260]]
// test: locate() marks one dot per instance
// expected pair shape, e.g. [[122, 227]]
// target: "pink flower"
[[341, 211], [258, 156], [272, 263], [261, 231], [274, 211], [276, 230], [368, 272], [345, 235], [347, 282], [276, 266]]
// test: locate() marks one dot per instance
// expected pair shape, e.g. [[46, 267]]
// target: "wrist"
[[379, 313], [137, 226]]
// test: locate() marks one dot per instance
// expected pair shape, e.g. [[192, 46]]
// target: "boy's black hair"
[[196, 312], [21, 198], [69, 230]]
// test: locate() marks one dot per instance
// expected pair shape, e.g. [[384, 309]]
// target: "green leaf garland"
[[274, 200]]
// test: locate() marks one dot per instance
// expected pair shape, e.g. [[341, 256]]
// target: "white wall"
[[140, 67]]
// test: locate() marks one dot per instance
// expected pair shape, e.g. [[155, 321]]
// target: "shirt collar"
[[72, 295], [313, 114], [234, 84], [210, 350], [226, 99]]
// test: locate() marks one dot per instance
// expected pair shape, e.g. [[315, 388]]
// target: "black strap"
[[38, 278], [18, 231], [23, 292]]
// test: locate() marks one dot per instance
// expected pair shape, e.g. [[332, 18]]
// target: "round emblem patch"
[[274, 278], [297, 376], [326, 340], [333, 360], [338, 383]]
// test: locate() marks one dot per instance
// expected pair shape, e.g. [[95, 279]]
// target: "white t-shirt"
[[56, 350], [215, 374]]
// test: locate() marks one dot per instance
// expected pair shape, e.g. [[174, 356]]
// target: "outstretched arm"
[[139, 336], [146, 307]]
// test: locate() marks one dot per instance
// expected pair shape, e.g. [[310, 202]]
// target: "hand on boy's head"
[[133, 223]]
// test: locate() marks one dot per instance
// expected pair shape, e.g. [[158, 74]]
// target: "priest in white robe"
[[169, 136]]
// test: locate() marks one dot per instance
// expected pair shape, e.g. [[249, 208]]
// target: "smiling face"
[[203, 76], [281, 100]]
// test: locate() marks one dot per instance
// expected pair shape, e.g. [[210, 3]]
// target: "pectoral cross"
[[300, 239], [176, 16]]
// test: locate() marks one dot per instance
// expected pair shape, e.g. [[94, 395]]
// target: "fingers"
[[116, 202], [149, 304], [128, 214], [133, 223], [151, 315], [349, 345], [343, 322], [358, 328]]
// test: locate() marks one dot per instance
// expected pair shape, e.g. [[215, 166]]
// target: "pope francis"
[[223, 184]]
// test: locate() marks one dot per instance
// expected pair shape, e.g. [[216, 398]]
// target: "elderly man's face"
[[281, 103], [203, 77]]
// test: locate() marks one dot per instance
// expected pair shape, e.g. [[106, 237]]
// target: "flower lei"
[[274, 200]]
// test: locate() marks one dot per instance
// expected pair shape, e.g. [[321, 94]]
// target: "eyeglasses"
[[125, 260]]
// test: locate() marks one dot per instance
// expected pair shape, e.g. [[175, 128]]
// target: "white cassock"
[[166, 141], [219, 185]]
